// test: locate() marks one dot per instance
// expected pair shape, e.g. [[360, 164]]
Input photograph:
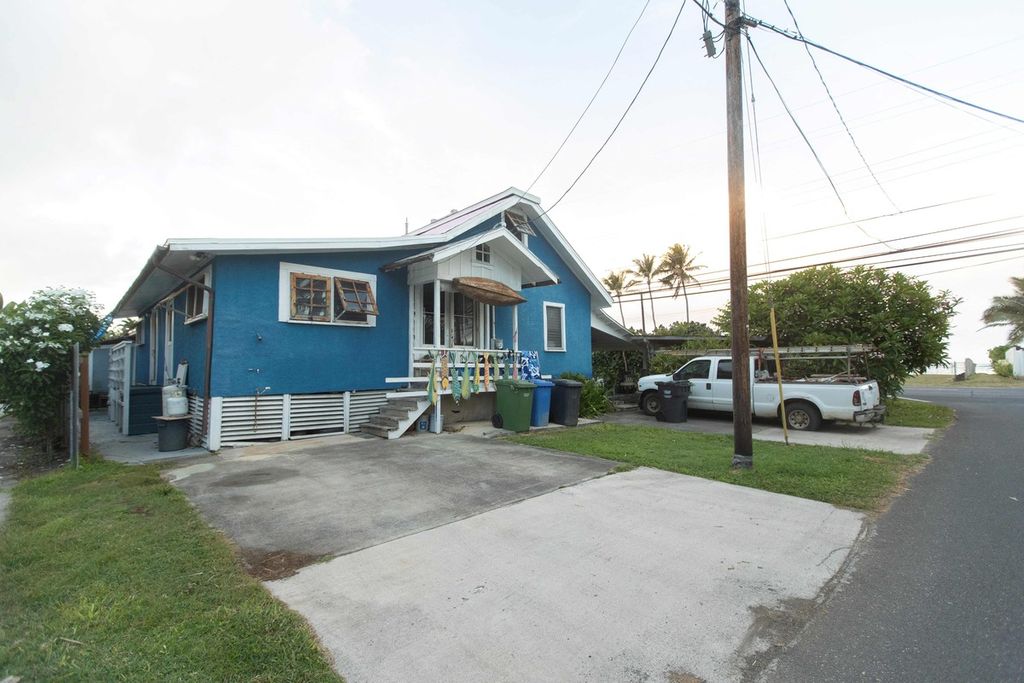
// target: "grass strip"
[[904, 413], [850, 477], [107, 574]]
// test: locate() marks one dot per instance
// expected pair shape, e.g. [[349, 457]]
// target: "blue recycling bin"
[[541, 403]]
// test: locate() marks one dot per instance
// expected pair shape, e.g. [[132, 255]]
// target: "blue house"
[[290, 338]]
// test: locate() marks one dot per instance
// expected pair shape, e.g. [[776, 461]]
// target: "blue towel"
[[529, 365]]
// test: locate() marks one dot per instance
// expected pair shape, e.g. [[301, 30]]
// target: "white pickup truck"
[[808, 402]]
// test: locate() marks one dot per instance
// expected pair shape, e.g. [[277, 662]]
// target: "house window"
[[518, 225], [354, 300], [464, 319], [311, 297], [197, 299], [554, 326], [323, 295], [428, 315], [483, 253]]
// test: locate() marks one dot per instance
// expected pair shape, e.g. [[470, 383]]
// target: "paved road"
[[938, 593]]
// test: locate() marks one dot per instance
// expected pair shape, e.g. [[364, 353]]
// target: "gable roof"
[[458, 222], [187, 256], [535, 273]]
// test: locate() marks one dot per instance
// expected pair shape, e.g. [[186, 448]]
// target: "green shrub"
[[1003, 368], [997, 354], [594, 399]]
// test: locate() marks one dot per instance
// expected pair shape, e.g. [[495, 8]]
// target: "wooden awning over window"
[[488, 291]]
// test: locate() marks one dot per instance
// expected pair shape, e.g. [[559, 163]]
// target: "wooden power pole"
[[743, 447]]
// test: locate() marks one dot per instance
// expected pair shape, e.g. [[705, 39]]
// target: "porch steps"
[[396, 416]]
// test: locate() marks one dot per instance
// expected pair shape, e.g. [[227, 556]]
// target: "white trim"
[[168, 342], [206, 277], [284, 293], [553, 304], [154, 352]]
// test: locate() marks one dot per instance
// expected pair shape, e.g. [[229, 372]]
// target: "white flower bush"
[[36, 341]]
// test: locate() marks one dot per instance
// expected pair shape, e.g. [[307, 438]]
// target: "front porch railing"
[[502, 365]]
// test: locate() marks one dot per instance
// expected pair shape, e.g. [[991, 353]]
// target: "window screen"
[[555, 319]]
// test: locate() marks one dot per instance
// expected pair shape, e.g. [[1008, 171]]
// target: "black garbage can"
[[565, 402], [172, 432], [674, 397]]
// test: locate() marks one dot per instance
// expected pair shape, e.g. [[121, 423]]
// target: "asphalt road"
[[938, 592]]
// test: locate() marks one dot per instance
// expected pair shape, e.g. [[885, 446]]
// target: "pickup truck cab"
[[809, 402]]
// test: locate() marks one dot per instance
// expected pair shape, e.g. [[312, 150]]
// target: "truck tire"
[[802, 416], [650, 402]]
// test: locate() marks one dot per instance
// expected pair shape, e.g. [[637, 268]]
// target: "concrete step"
[[384, 421], [375, 430], [406, 404], [397, 413]]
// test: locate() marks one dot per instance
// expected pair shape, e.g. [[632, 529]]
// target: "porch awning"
[[487, 291]]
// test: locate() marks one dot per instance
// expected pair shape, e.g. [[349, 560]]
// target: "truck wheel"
[[650, 402], [802, 416]]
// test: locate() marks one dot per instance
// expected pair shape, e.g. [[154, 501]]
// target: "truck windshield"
[[695, 369]]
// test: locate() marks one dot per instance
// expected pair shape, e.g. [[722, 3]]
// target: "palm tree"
[[617, 283], [676, 268], [647, 268], [1008, 310]]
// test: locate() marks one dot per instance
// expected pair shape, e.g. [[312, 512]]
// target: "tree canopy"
[[1009, 311], [897, 314]]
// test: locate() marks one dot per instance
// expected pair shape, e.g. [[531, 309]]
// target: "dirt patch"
[[775, 627], [19, 459], [274, 564], [266, 475], [682, 677]]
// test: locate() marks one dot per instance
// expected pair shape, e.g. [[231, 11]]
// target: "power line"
[[814, 153], [801, 39], [973, 265], [835, 106], [879, 216], [958, 256], [594, 97], [622, 118], [923, 247]]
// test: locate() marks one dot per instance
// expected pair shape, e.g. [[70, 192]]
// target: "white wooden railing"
[[459, 357]]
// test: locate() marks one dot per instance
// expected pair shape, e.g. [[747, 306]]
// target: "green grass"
[[843, 476], [980, 380], [107, 574], [904, 413]]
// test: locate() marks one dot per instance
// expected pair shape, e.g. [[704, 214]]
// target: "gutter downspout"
[[157, 262]]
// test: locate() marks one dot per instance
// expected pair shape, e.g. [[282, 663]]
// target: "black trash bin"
[[674, 397], [172, 432], [565, 402]]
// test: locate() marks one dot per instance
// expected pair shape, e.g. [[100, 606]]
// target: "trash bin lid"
[[522, 384], [567, 383], [543, 383]]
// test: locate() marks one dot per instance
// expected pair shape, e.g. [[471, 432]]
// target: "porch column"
[[437, 344], [515, 328]]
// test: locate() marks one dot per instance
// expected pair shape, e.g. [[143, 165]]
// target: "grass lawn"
[[979, 380], [843, 476], [107, 574], [904, 413]]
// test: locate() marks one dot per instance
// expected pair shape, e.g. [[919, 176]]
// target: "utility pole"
[[743, 446]]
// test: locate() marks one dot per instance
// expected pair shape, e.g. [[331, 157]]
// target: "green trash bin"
[[513, 405]]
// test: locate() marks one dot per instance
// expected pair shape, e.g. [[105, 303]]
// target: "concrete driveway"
[[906, 440], [289, 504], [467, 559]]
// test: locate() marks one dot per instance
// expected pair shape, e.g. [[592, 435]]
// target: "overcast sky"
[[125, 123]]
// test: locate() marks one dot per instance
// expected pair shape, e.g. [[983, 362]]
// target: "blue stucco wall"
[[190, 345], [304, 358], [569, 291]]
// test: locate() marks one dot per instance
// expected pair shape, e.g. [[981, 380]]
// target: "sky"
[[123, 124]]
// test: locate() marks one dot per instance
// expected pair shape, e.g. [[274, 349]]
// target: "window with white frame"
[[197, 299], [483, 253], [309, 294], [554, 326]]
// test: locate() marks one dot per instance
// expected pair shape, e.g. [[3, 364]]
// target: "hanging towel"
[[431, 386], [487, 372], [466, 380], [456, 379], [529, 365], [445, 379], [476, 374]]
